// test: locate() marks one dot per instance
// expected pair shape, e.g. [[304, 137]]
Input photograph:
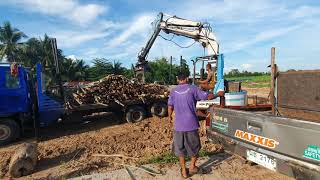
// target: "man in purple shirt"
[[186, 140]]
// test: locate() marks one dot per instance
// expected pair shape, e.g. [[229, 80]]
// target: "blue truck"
[[23, 101], [26, 105]]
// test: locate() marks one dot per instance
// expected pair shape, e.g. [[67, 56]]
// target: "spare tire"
[[135, 114], [159, 109], [9, 131]]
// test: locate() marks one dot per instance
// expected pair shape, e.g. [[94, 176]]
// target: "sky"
[[118, 29]]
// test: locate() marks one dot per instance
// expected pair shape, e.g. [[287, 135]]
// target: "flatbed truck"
[[25, 105]]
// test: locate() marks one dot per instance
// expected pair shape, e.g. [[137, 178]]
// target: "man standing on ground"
[[186, 140]]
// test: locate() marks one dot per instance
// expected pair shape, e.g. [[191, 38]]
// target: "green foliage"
[[236, 73], [184, 67], [129, 73], [101, 67], [169, 157], [253, 81], [9, 39], [75, 70], [159, 70], [37, 50]]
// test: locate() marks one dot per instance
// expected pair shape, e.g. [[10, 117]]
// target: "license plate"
[[262, 159]]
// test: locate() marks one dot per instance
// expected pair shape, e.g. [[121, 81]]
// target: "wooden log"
[[24, 160], [117, 87]]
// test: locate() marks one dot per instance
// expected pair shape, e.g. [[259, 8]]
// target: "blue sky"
[[118, 29]]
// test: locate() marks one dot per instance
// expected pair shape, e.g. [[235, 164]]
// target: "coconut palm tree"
[[75, 70], [9, 41], [117, 68]]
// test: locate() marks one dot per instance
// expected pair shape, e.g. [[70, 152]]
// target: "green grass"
[[253, 81], [171, 158]]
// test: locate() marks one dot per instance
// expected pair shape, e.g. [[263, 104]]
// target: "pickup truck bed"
[[289, 146]]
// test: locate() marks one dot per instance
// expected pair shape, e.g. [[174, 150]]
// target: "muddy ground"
[[67, 150]]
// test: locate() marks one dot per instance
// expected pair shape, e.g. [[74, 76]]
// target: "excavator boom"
[[200, 32]]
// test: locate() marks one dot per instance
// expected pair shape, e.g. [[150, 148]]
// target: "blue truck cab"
[[24, 103]]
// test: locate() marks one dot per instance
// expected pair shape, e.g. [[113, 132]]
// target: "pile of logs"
[[117, 88]]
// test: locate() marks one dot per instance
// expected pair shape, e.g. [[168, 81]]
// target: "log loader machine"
[[200, 32]]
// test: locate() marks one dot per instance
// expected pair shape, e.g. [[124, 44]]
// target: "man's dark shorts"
[[186, 143]]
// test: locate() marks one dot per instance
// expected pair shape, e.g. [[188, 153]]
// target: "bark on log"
[[24, 160], [117, 88]]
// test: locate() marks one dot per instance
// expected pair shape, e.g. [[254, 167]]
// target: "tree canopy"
[[9, 42]]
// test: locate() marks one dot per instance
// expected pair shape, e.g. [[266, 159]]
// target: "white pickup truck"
[[288, 141]]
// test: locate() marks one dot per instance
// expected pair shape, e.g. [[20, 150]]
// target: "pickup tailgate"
[[293, 138]]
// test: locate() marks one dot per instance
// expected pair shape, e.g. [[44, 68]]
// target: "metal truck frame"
[[285, 142]]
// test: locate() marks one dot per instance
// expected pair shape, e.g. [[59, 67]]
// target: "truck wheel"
[[159, 109], [9, 131], [135, 114]]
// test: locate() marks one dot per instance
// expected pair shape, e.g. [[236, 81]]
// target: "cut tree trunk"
[[24, 160]]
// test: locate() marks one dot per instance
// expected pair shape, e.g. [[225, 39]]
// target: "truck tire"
[[159, 109], [9, 131], [135, 114]]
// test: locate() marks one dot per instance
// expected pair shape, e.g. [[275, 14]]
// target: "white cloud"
[[246, 66], [139, 27], [73, 57], [230, 11], [69, 39], [305, 11], [260, 37], [67, 9]]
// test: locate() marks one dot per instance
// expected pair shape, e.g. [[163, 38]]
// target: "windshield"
[[12, 82]]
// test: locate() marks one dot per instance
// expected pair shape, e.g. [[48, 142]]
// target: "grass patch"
[[253, 81], [171, 158]]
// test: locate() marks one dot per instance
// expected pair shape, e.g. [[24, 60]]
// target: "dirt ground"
[[70, 148], [67, 151], [261, 92], [215, 167]]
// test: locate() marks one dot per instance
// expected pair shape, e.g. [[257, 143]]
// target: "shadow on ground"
[[89, 123], [214, 161]]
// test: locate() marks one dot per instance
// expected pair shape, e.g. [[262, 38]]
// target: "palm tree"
[[81, 70], [73, 70], [9, 40], [117, 68]]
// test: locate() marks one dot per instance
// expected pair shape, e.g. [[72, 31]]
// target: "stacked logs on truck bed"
[[119, 89]]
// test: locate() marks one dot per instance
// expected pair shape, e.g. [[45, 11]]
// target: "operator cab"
[[217, 67], [13, 90], [234, 96]]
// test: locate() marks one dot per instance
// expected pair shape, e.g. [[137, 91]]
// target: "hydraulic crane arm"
[[200, 32]]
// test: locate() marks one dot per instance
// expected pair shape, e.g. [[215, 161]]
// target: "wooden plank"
[[273, 75], [300, 114], [299, 90]]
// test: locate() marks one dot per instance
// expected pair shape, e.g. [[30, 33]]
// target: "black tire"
[[159, 109], [9, 131], [135, 114]]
